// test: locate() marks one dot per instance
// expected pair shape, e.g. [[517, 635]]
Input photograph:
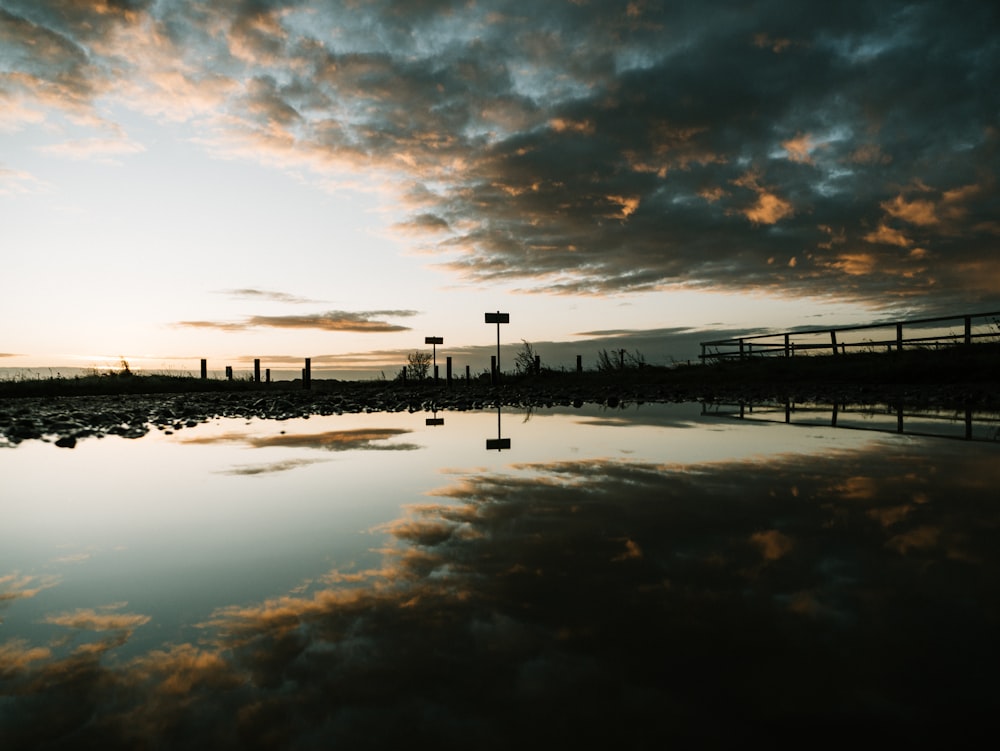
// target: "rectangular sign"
[[433, 340], [497, 444], [498, 318]]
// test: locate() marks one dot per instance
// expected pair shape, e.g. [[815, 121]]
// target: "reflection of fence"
[[919, 332], [894, 418]]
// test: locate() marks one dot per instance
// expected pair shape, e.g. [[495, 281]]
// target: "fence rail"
[[932, 332]]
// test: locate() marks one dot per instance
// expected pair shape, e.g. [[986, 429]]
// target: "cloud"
[[334, 320], [265, 295], [573, 148], [98, 149]]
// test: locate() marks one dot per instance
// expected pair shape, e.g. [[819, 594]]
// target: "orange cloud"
[[887, 235], [799, 148]]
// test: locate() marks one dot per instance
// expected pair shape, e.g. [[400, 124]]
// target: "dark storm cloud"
[[334, 320], [578, 600], [586, 147]]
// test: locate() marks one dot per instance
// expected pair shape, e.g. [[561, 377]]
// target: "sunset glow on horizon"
[[281, 179]]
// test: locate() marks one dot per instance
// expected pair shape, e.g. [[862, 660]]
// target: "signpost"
[[434, 340], [497, 318]]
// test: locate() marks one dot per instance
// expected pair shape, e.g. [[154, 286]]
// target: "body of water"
[[638, 577]]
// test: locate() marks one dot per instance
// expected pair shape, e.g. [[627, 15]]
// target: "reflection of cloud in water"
[[610, 602], [332, 440], [271, 468], [17, 586]]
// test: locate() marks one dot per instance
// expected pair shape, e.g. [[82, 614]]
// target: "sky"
[[338, 180]]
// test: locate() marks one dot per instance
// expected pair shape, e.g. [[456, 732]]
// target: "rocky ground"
[[65, 420]]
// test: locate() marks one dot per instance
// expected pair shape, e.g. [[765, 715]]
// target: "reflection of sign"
[[434, 421], [498, 443], [498, 317]]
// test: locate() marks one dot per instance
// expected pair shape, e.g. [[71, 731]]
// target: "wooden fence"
[[892, 335]]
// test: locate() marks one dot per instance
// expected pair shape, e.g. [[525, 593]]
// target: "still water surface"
[[626, 576]]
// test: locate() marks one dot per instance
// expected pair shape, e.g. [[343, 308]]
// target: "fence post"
[[833, 340], [786, 346], [256, 370], [267, 374], [579, 363], [899, 337], [968, 329], [538, 364], [467, 378], [741, 349], [403, 373], [448, 369], [229, 372], [204, 369], [307, 374]]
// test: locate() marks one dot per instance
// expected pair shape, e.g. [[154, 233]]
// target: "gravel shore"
[[65, 420]]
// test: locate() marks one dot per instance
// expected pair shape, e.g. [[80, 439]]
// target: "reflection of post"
[[500, 443], [434, 420]]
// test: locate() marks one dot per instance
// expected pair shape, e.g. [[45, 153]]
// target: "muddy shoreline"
[[65, 420]]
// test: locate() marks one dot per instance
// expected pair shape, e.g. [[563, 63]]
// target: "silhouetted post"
[[968, 423], [538, 364], [256, 370], [435, 374], [833, 418], [204, 369], [403, 373], [621, 359], [788, 410], [968, 329], [229, 372], [467, 375], [899, 417], [267, 374], [307, 374], [787, 347], [833, 341], [493, 369], [579, 361], [741, 349], [447, 369], [899, 337]]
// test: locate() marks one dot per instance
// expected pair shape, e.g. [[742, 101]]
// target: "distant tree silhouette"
[[418, 363], [524, 360]]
